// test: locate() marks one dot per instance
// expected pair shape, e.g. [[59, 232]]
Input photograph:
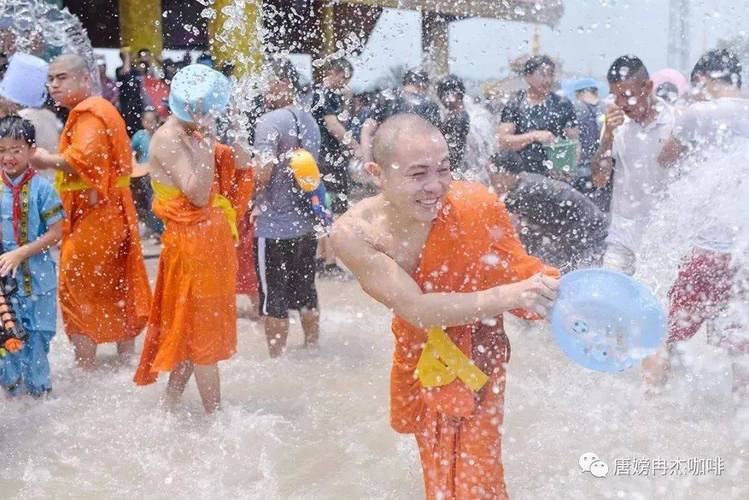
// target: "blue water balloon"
[[605, 320]]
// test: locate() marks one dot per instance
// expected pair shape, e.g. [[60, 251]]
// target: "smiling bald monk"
[[444, 257]]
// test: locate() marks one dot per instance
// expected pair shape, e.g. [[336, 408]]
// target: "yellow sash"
[[166, 193], [63, 183], [442, 361]]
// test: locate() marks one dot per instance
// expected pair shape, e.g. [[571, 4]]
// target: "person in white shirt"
[[637, 126], [711, 283]]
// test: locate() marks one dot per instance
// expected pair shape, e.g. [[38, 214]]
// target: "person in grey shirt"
[[560, 225], [285, 238]]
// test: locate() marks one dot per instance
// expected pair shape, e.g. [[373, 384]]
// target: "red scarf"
[[16, 190]]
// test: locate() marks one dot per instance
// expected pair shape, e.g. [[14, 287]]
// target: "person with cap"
[[537, 116], [23, 91], [456, 123], [590, 112], [412, 98], [560, 225], [201, 189], [104, 293], [285, 228]]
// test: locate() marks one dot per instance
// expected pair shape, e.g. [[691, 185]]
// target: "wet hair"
[[626, 68], [535, 62], [15, 127], [721, 65], [450, 83], [697, 72], [283, 69], [340, 64], [507, 162], [416, 77]]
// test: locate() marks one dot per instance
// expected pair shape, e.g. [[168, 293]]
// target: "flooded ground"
[[314, 425]]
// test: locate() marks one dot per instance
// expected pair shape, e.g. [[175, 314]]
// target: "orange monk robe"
[[471, 246], [104, 291], [246, 276], [194, 315]]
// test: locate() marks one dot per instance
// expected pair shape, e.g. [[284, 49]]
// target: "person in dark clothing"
[[559, 224], [132, 96], [590, 112], [456, 122], [411, 98], [537, 116], [337, 146]]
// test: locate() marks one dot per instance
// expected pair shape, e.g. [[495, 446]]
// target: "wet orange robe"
[[194, 313], [472, 246], [103, 285]]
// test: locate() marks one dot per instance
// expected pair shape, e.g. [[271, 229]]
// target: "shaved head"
[[396, 131], [72, 62], [70, 80]]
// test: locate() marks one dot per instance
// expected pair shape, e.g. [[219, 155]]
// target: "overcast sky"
[[590, 35]]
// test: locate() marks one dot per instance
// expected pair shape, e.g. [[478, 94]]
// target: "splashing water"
[[39, 28]]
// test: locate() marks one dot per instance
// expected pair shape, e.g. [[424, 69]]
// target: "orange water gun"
[[12, 332]]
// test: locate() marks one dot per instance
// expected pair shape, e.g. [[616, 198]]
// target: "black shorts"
[[286, 274]]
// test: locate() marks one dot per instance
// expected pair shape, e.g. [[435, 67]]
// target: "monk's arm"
[[192, 174], [386, 282], [44, 160]]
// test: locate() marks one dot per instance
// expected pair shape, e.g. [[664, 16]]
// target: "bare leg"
[[276, 333], [177, 382], [125, 350], [311, 326], [85, 351], [209, 386]]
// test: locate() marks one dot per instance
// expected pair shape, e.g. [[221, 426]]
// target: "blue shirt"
[[141, 141], [40, 207]]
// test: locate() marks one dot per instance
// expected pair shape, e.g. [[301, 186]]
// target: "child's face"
[[15, 155], [150, 121]]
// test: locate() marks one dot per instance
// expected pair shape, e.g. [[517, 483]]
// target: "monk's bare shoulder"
[[362, 223]]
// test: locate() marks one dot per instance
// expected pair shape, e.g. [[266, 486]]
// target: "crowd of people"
[[570, 185]]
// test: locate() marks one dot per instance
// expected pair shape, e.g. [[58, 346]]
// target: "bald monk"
[[104, 291], [443, 256], [201, 190]]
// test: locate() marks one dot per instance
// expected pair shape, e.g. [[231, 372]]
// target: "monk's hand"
[[9, 261], [42, 159], [536, 294]]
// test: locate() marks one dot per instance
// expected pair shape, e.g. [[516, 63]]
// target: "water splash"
[[44, 30]]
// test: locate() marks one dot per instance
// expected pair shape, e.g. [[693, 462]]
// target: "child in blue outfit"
[[30, 223]]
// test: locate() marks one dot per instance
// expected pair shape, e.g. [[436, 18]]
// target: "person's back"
[[569, 230], [281, 212]]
